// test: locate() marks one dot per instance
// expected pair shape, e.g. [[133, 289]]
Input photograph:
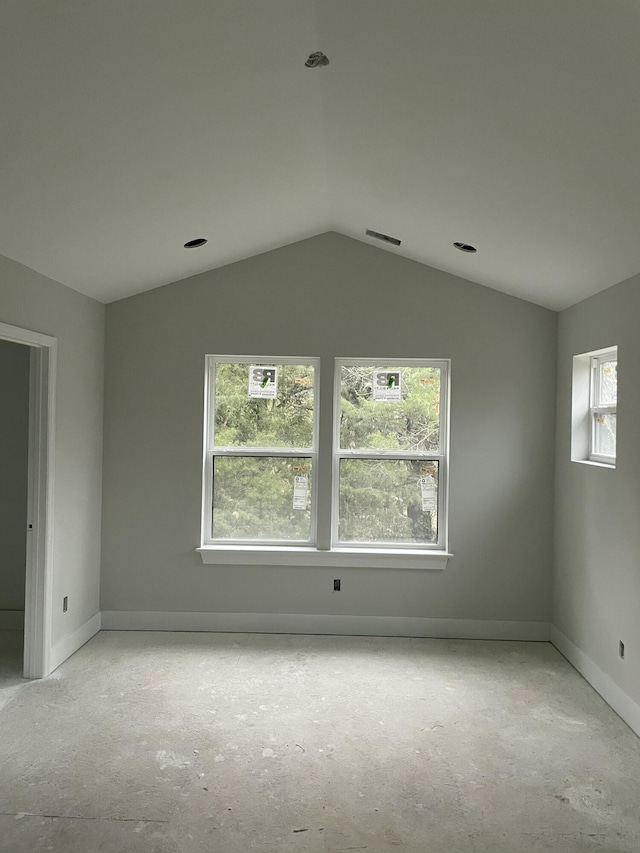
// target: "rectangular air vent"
[[384, 237]]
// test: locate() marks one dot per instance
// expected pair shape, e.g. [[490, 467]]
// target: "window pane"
[[604, 434], [388, 500], [244, 421], [608, 382], [411, 423], [253, 498]]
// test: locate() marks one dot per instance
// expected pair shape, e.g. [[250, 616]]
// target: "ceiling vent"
[[317, 60], [195, 244], [465, 247], [384, 237]]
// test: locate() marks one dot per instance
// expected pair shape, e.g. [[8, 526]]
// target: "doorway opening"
[[38, 525]]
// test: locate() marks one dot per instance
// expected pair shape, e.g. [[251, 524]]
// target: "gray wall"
[[32, 301], [597, 574], [322, 297], [14, 459]]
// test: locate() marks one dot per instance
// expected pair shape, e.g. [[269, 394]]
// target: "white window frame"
[[596, 407], [211, 451], [424, 456], [320, 551]]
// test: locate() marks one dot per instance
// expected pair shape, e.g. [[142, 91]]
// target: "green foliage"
[[253, 498], [409, 424], [380, 499], [243, 421]]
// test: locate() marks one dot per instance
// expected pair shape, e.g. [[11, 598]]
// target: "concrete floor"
[[229, 743], [11, 665]]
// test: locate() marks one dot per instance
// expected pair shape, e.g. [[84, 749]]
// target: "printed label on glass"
[[300, 485], [428, 492], [387, 386], [263, 382]]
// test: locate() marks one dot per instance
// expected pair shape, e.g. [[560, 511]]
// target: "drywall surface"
[[330, 296], [597, 574], [32, 301], [14, 460]]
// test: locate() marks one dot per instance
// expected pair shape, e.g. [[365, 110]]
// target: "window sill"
[[610, 465], [367, 558]]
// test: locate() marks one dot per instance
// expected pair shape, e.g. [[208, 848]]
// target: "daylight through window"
[[262, 450], [603, 407], [387, 479], [389, 452]]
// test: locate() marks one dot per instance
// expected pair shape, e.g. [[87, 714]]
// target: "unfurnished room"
[[316, 533]]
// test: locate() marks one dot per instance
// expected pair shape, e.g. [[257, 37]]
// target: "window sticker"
[[263, 382], [387, 386], [300, 486], [428, 492]]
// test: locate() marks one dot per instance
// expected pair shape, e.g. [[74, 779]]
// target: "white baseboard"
[[613, 695], [65, 648], [11, 620], [289, 623]]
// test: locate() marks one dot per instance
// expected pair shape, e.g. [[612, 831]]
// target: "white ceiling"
[[131, 126]]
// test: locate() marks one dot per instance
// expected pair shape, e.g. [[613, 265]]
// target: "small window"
[[390, 438], [261, 450], [603, 407], [594, 407]]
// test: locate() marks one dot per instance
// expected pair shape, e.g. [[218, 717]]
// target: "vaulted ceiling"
[[131, 126]]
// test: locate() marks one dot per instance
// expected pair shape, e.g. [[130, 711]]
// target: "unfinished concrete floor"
[[162, 742], [11, 665]]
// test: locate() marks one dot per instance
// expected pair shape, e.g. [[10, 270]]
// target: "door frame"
[[38, 610]]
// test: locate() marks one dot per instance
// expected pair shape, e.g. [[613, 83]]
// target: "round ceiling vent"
[[465, 247], [195, 244]]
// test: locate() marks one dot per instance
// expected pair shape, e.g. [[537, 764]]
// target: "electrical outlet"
[[621, 649], [336, 585], [65, 604]]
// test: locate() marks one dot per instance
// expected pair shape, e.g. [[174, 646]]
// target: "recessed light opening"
[[465, 247], [384, 237], [195, 244]]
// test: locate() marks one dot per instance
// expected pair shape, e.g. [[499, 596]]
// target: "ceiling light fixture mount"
[[195, 244], [466, 247], [317, 60]]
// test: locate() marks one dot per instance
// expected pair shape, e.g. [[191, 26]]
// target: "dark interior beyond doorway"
[[14, 443]]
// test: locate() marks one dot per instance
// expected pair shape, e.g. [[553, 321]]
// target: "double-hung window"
[[266, 461], [390, 437], [603, 407], [261, 451]]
